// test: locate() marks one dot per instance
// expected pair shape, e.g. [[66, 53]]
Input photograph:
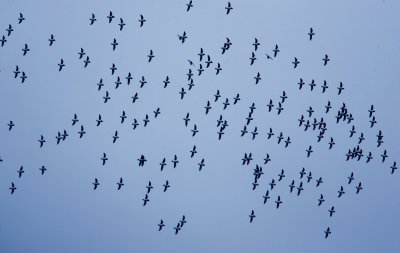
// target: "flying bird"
[[95, 184], [228, 8], [92, 19], [141, 20], [311, 33], [326, 59]]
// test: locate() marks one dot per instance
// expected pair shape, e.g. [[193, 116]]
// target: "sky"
[[60, 211]]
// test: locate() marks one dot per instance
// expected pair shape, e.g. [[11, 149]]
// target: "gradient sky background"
[[60, 212]]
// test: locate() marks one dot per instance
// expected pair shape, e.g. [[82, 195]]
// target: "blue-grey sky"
[[60, 212]]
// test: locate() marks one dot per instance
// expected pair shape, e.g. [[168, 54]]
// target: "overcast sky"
[[60, 212]]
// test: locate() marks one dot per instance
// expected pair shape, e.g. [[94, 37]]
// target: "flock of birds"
[[308, 120]]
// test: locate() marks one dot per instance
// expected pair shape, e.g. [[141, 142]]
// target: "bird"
[[302, 173], [110, 17], [113, 69], [183, 221], [41, 140], [324, 86], [186, 119], [9, 30], [182, 37], [266, 197], [201, 54], [150, 55], [146, 199], [81, 132], [311, 33], [149, 187], [3, 41], [295, 63], [12, 188], [166, 185], [175, 161], [160, 225], [120, 184], [217, 96], [300, 188], [371, 111], [193, 151], [278, 202], [163, 164], [321, 200], [16, 71], [256, 44], [358, 187], [309, 151], [208, 107], [319, 181], [135, 97], [327, 232], [351, 178], [118, 82], [141, 20], [228, 8], [92, 19], [194, 130], [21, 18], [283, 97], [42, 169], [177, 228], [208, 62], [59, 138], [281, 175], [121, 24], [81, 53], [146, 120], [384, 156], [156, 112], [182, 93], [106, 97], [252, 216], [258, 77], [393, 167], [123, 117], [252, 58], [75, 119], [340, 88], [20, 171], [301, 83], [226, 103], [201, 164], [331, 143], [270, 105], [99, 120], [341, 192], [25, 49], [51, 40], [96, 183], [61, 65], [326, 59], [189, 5], [254, 133], [104, 158], [87, 61], [100, 84], [114, 44], [328, 106], [166, 82], [276, 50], [331, 211], [236, 99], [10, 125], [218, 68]]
